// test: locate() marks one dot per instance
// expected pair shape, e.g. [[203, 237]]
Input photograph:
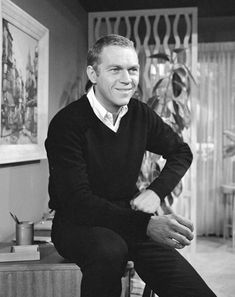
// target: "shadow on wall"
[[73, 90]]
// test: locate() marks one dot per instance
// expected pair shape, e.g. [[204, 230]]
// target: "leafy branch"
[[170, 98], [171, 92]]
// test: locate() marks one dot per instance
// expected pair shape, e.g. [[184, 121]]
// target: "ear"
[[91, 74]]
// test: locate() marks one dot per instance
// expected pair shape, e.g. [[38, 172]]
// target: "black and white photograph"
[[117, 148]]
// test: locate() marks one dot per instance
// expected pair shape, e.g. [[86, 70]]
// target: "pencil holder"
[[24, 233]]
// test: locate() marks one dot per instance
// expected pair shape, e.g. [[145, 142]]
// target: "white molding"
[[22, 20]]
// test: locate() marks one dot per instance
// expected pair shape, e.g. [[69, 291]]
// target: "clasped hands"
[[168, 229]]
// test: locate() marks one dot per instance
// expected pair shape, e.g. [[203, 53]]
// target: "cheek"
[[135, 80], [109, 82], [105, 84]]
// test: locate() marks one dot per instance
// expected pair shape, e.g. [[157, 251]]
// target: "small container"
[[24, 233]]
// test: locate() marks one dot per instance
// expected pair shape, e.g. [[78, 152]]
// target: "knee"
[[110, 254], [111, 257]]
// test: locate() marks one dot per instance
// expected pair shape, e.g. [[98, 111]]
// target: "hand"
[[147, 201], [171, 230]]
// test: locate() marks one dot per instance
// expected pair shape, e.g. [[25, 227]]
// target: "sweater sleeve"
[[70, 191], [164, 141]]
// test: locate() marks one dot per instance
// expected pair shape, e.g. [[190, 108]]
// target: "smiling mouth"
[[124, 90]]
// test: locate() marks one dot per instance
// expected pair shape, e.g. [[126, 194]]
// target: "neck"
[[114, 111]]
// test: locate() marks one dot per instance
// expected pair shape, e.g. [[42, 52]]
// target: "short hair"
[[93, 56]]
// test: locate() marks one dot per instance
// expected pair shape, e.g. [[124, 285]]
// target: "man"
[[95, 148]]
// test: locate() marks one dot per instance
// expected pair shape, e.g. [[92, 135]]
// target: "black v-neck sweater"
[[93, 170]]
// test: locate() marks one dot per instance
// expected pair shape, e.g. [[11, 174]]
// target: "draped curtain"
[[215, 113]]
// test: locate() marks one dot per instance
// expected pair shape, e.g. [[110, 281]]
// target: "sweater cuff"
[[160, 191]]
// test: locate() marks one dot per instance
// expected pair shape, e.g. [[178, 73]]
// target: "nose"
[[125, 76]]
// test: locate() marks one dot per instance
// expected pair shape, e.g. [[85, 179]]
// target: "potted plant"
[[170, 100]]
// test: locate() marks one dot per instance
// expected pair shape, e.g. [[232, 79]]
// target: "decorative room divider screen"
[[154, 31]]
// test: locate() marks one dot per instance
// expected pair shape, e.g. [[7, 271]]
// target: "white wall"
[[23, 188]]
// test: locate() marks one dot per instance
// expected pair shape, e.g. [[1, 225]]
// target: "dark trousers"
[[102, 255]]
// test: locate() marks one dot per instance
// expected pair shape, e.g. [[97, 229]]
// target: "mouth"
[[124, 90]]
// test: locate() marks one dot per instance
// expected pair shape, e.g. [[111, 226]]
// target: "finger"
[[181, 229], [132, 204], [180, 238], [179, 245], [134, 207], [146, 209], [174, 244], [136, 202], [183, 221]]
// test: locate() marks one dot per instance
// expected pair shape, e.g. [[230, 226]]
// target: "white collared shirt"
[[105, 116]]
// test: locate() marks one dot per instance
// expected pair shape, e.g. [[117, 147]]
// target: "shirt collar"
[[98, 108]]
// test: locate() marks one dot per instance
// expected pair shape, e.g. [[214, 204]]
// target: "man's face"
[[116, 77]]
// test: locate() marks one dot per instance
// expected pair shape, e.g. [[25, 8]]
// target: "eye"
[[115, 69], [134, 70]]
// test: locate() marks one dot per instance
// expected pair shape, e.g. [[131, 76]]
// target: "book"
[[42, 239], [23, 256], [43, 225], [7, 255], [46, 221], [24, 248]]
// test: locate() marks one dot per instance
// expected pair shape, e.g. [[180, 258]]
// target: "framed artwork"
[[24, 53]]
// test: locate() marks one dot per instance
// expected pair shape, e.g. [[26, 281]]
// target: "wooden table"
[[51, 276]]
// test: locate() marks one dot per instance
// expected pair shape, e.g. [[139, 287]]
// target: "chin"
[[124, 101]]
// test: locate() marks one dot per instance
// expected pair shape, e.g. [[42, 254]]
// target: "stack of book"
[[19, 253], [42, 229]]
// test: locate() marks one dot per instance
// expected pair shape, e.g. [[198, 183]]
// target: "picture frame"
[[24, 54]]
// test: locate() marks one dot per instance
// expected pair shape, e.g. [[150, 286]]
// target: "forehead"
[[118, 55]]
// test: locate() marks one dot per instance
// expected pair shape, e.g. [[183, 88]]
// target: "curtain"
[[215, 113]]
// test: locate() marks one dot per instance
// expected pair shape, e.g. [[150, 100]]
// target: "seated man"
[[95, 148]]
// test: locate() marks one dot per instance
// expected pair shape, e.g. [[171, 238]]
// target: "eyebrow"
[[120, 66]]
